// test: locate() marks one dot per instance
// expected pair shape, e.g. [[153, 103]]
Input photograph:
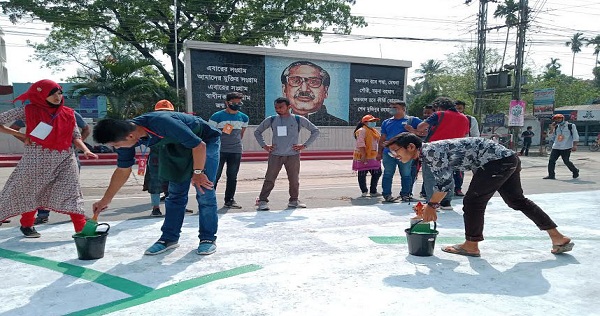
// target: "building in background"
[[3, 70]]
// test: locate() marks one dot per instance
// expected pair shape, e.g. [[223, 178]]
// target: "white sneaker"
[[365, 194], [376, 194], [263, 206], [296, 204]]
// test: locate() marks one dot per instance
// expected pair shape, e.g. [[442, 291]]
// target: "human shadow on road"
[[443, 278], [264, 218]]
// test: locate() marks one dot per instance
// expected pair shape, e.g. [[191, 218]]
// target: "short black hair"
[[428, 107], [282, 100], [322, 72], [233, 95], [459, 102], [404, 139], [443, 102], [111, 130], [398, 102], [528, 127]]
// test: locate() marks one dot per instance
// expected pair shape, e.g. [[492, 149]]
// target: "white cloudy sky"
[[554, 22]]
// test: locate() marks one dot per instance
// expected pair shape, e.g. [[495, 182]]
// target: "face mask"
[[393, 111], [235, 106], [371, 124]]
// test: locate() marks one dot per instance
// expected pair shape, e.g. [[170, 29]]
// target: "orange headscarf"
[[61, 118]]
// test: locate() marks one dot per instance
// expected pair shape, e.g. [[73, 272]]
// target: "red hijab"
[[61, 118]]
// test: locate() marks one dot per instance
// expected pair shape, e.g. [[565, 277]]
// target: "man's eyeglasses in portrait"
[[296, 81]]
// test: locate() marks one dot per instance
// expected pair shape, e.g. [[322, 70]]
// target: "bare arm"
[[85, 132], [118, 179]]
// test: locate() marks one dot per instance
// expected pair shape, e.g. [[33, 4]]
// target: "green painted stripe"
[[108, 280], [387, 240], [165, 291]]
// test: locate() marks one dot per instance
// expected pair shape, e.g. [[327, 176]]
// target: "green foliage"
[[569, 90], [148, 26], [416, 107], [428, 73]]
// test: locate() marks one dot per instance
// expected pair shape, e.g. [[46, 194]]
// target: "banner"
[[516, 113], [543, 102]]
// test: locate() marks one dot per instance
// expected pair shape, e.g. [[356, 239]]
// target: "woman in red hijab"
[[47, 176]]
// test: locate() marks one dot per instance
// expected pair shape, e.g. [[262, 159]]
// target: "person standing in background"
[[284, 150], [527, 135], [232, 123], [459, 176], [365, 155]]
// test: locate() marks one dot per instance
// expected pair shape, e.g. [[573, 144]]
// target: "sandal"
[[458, 250]]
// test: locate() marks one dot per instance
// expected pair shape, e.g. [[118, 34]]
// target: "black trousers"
[[502, 176], [362, 180], [565, 154]]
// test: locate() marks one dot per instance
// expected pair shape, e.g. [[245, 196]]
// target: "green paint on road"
[[388, 240], [165, 291], [108, 280], [140, 294]]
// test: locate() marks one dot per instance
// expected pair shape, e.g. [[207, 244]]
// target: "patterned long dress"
[[43, 179]]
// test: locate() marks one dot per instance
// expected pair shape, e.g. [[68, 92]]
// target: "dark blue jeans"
[[407, 172], [233, 161], [177, 200]]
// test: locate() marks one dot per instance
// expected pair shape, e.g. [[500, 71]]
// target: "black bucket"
[[421, 243], [90, 247]]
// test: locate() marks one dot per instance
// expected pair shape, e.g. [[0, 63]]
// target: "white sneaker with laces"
[[263, 206], [296, 204]]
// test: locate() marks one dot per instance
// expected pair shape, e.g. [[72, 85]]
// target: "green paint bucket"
[[421, 241], [91, 247]]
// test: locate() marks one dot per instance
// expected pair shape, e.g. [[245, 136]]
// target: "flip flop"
[[557, 249], [458, 250]]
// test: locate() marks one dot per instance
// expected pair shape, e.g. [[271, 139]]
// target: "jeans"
[[362, 180], [407, 171], [233, 161], [565, 154], [429, 183], [459, 178], [177, 200], [292, 168], [504, 176], [526, 145]]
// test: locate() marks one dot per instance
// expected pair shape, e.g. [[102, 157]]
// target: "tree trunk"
[[505, 45], [573, 65]]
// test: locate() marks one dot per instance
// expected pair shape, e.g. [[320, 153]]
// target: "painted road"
[[350, 260]]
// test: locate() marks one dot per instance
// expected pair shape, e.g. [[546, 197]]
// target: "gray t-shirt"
[[285, 133], [231, 126]]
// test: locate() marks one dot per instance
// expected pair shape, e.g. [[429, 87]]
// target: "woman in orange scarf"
[[365, 155], [47, 175]]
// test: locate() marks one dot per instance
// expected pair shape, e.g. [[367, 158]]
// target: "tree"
[[131, 85], [575, 43], [428, 72], [552, 69], [596, 42], [153, 27], [508, 11]]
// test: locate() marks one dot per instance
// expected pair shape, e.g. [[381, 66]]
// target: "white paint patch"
[[322, 262]]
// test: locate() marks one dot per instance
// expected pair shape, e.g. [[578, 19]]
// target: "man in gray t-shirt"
[[284, 150], [232, 123]]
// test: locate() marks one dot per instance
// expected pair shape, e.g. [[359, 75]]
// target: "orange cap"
[[164, 105], [558, 116], [369, 118]]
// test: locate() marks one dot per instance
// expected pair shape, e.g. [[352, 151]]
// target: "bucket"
[[91, 247], [421, 243]]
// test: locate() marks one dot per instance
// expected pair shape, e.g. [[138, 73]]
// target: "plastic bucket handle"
[[103, 224], [415, 224]]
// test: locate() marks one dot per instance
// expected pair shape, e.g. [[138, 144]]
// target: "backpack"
[[272, 117]]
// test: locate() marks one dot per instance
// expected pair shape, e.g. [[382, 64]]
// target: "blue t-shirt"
[[230, 142], [78, 118], [392, 127], [174, 125]]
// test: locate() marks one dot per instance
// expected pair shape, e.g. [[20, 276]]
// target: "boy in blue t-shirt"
[[232, 123]]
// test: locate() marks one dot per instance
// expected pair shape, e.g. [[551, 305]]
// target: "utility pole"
[[480, 69], [519, 56], [176, 66]]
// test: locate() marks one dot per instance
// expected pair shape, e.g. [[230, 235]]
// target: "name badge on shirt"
[[227, 128], [142, 166], [41, 131], [560, 138], [281, 130]]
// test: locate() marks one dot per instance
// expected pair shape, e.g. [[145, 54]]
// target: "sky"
[[450, 21]]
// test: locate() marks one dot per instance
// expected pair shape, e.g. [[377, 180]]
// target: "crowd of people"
[[179, 150]]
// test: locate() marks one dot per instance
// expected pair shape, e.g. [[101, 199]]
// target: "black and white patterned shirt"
[[459, 154]]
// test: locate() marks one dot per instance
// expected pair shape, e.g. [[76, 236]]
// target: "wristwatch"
[[199, 171]]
